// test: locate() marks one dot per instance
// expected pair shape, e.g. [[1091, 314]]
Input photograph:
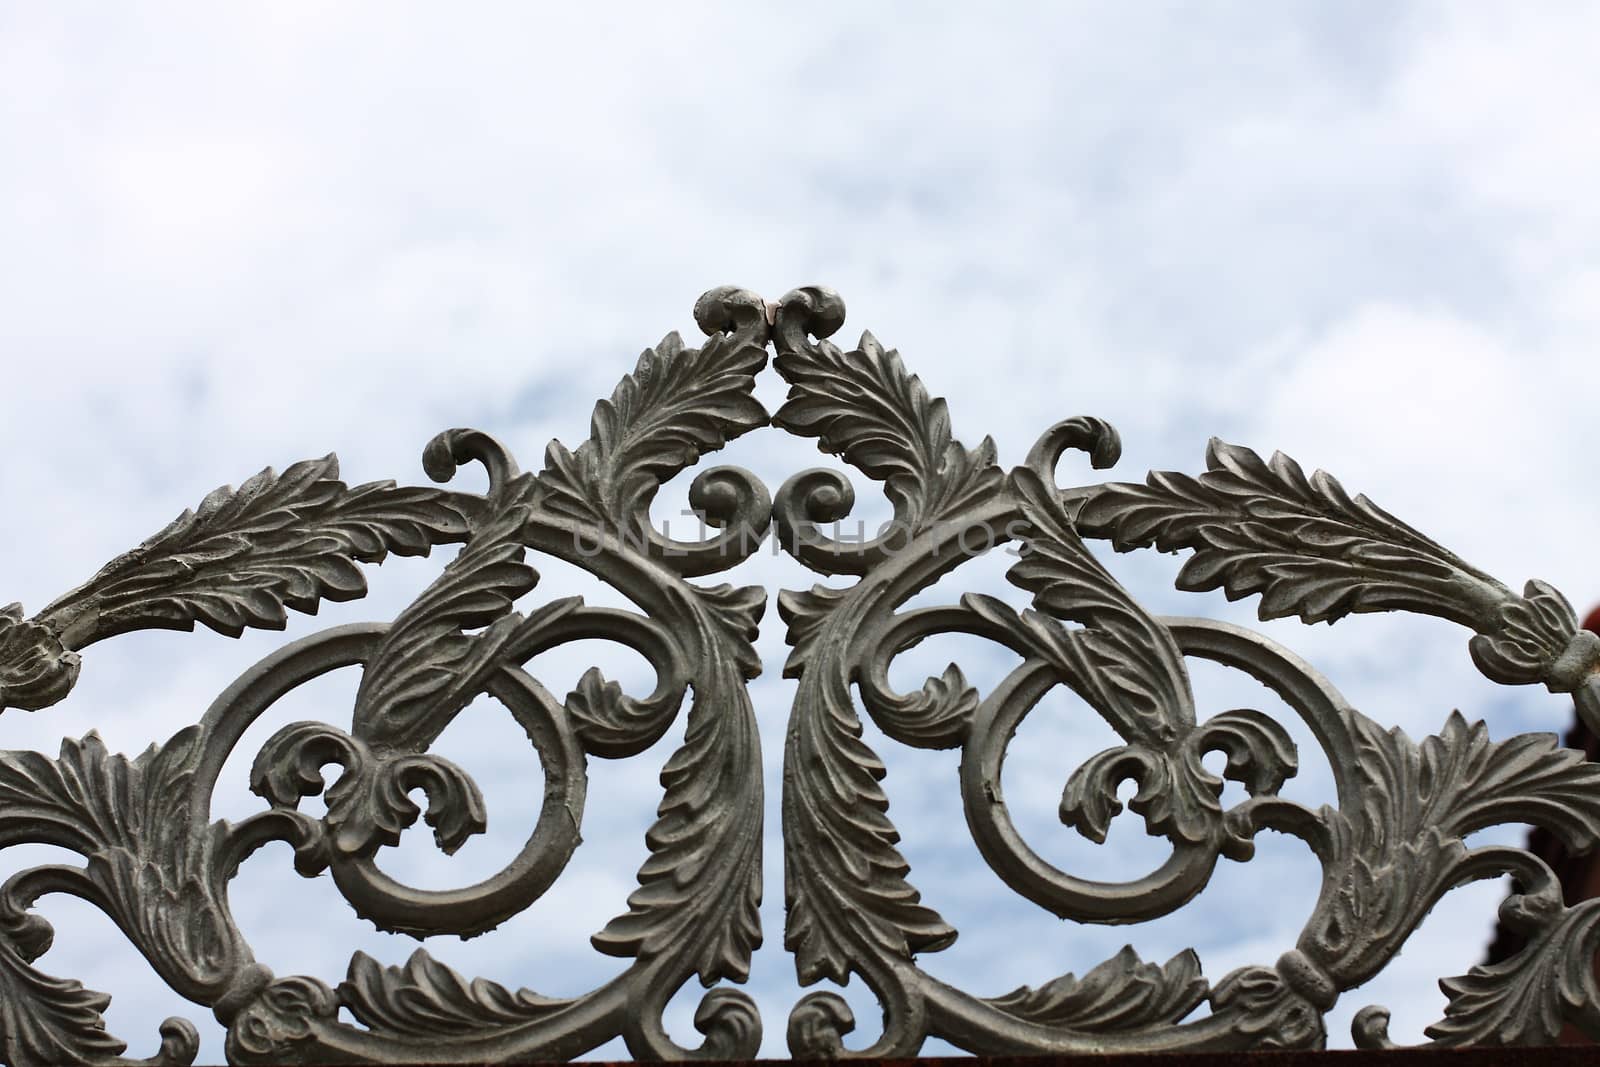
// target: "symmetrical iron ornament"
[[159, 865]]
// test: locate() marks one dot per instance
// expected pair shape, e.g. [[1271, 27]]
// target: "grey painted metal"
[[159, 865]]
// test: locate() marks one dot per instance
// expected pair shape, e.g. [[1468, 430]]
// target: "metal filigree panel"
[[159, 864]]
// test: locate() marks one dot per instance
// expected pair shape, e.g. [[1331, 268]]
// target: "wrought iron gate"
[[159, 865]]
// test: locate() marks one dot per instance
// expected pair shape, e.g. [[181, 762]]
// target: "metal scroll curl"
[[158, 864]]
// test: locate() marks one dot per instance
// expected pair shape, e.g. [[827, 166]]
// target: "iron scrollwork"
[[159, 865]]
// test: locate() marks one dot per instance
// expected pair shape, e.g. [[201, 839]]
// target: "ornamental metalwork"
[[159, 865]]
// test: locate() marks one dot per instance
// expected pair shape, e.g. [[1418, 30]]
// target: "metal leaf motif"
[[370, 805], [1524, 1000], [158, 864], [735, 612], [937, 716], [278, 541], [426, 664], [864, 406], [1260, 755], [1123, 993], [846, 892], [128, 818], [1263, 527], [1177, 795], [1266, 1011], [700, 889], [1309, 549], [610, 721], [840, 848], [690, 845], [1125, 662], [854, 890], [806, 614], [146, 867], [1459, 781], [1389, 860], [1533, 635], [290, 541], [425, 999], [678, 404], [241, 558], [50, 1020]]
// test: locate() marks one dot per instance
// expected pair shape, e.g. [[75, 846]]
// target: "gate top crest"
[[159, 865]]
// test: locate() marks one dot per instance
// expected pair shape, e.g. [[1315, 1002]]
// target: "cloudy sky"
[[233, 236]]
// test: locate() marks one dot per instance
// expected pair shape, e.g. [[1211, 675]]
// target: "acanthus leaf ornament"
[[849, 904], [865, 407], [1310, 549], [427, 1000], [241, 558], [159, 865], [1123, 993], [1526, 999]]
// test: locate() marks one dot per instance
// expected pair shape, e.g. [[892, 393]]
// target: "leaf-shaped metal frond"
[[1308, 548], [1123, 993]]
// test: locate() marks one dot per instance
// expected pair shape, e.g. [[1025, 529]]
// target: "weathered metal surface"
[[159, 865]]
